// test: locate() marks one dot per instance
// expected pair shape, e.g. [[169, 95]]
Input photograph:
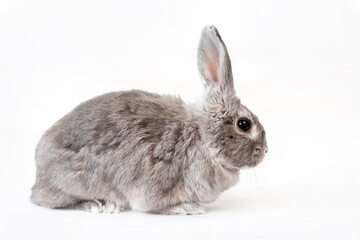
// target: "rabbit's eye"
[[244, 124]]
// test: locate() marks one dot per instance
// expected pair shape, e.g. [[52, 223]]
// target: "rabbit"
[[148, 152]]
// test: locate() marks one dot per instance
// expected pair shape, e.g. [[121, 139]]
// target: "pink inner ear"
[[212, 63]]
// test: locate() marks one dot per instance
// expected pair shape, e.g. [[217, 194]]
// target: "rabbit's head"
[[234, 134]]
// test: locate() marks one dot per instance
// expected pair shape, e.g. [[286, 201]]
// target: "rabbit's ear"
[[214, 63]]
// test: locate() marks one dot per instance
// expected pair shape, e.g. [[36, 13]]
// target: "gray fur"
[[148, 152]]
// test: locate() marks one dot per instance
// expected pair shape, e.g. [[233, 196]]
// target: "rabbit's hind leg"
[[47, 196]]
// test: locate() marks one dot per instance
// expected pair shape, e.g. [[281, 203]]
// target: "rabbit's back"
[[104, 122]]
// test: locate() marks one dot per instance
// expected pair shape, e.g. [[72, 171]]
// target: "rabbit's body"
[[89, 155], [149, 152]]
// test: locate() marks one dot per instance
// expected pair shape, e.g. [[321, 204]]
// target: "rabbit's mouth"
[[253, 158], [258, 156], [252, 163]]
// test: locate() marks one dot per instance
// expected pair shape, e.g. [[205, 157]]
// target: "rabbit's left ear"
[[214, 64]]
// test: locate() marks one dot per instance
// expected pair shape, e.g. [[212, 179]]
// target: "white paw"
[[95, 207], [102, 206], [179, 210], [111, 207], [114, 207], [186, 209]]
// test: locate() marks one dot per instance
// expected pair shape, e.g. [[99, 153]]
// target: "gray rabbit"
[[148, 152]]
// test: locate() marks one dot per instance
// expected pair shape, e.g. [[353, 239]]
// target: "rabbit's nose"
[[266, 147]]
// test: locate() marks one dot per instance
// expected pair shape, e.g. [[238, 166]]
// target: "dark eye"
[[244, 124]]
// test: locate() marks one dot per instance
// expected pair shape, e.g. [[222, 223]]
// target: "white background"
[[296, 65]]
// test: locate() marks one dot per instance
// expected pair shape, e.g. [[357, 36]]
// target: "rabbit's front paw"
[[114, 207], [185, 209], [92, 206]]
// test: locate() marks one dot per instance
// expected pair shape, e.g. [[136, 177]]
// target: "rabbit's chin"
[[256, 160], [250, 165]]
